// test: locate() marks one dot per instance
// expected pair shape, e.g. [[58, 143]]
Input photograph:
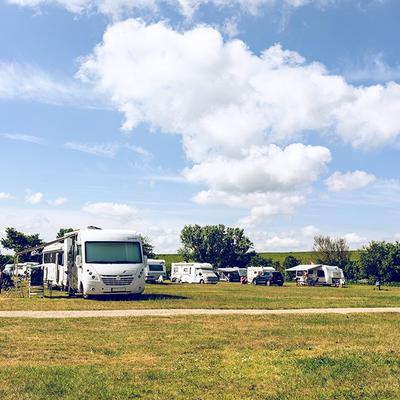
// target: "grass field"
[[222, 295], [280, 357]]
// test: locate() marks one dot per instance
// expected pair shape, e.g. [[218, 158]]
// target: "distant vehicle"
[[318, 274], [22, 269], [229, 274], [154, 270], [8, 269], [193, 273], [254, 275], [269, 278]]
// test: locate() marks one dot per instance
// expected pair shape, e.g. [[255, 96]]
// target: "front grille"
[[117, 280]]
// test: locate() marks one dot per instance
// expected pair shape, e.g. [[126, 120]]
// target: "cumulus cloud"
[[310, 231], [351, 180], [33, 197], [355, 239], [59, 201], [277, 242], [111, 210], [5, 196]]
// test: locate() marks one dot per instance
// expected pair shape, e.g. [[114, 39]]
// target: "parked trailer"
[[154, 270], [318, 274], [96, 262], [229, 274], [193, 273]]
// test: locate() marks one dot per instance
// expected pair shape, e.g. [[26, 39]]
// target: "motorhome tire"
[[202, 281]]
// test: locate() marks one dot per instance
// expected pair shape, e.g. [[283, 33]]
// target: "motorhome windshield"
[[156, 268], [113, 252], [206, 271]]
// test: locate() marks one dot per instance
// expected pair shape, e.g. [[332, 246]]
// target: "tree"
[[290, 262], [332, 251], [5, 259], [216, 244], [381, 260], [148, 248], [63, 231], [258, 261], [19, 241]]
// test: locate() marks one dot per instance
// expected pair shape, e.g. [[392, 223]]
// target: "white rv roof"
[[108, 234]]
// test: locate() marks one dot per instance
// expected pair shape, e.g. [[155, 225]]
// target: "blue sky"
[[282, 117]]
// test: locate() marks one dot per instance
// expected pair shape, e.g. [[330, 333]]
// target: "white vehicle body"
[[253, 272], [8, 269], [155, 269], [22, 269], [319, 274], [97, 262], [193, 273], [54, 267]]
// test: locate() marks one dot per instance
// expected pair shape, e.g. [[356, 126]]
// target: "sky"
[[280, 117]]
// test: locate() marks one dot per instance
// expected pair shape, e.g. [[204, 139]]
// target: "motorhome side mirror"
[[78, 260], [145, 260]]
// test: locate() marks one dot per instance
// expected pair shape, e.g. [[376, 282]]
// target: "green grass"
[[222, 295], [276, 357]]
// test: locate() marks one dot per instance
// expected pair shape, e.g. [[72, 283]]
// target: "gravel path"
[[183, 312]]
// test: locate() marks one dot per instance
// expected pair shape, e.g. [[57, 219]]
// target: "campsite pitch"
[[220, 296]]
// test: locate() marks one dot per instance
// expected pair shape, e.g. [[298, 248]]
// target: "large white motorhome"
[[193, 273], [253, 272], [155, 269], [318, 274], [96, 262]]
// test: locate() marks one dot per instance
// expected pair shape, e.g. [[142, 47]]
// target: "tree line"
[[224, 246]]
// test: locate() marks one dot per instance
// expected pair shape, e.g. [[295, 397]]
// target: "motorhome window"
[[60, 258], [46, 258], [320, 273], [176, 269], [156, 268], [113, 252], [186, 270]]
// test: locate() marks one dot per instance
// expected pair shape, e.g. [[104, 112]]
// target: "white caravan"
[[54, 267], [155, 269], [22, 269], [318, 274], [96, 262], [193, 273], [253, 272]]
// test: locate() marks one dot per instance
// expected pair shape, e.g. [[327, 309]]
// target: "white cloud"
[[28, 82], [5, 196], [310, 231], [96, 149], [286, 243], [33, 197], [355, 239], [116, 8], [59, 201], [229, 105], [22, 137], [111, 210], [220, 96], [351, 180]]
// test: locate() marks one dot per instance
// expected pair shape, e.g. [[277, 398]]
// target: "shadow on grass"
[[122, 297]]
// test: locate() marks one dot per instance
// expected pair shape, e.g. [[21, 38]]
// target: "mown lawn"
[[222, 295], [272, 357]]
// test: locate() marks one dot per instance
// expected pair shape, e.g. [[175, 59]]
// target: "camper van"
[[318, 274], [193, 273], [96, 262], [255, 275], [154, 270]]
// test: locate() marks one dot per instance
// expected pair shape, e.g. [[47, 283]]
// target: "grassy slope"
[[222, 295], [280, 357]]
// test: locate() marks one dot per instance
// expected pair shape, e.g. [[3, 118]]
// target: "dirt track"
[[183, 312]]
